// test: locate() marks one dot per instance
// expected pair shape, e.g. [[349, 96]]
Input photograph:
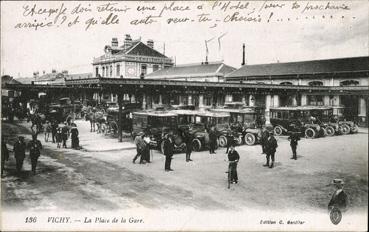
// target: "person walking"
[[58, 137], [65, 134], [47, 131], [4, 155], [19, 153], [168, 152], [233, 158], [212, 140], [188, 140], [34, 147], [230, 140], [294, 138], [74, 136], [271, 147], [146, 150], [140, 146], [54, 129], [263, 139]]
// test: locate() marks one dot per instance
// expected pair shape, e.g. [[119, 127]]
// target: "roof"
[[352, 64], [79, 76], [192, 70], [6, 79]]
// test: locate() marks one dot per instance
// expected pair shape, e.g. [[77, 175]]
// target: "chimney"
[[53, 71], [127, 41], [243, 55], [114, 42], [150, 43]]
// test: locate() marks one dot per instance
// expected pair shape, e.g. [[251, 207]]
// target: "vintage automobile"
[[112, 118], [245, 120], [339, 121], [312, 121], [157, 124]]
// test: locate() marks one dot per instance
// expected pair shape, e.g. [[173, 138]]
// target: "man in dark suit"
[[34, 147], [168, 151], [4, 154], [188, 140], [339, 198], [212, 140], [263, 139], [294, 138], [271, 147], [19, 153], [230, 140], [233, 158]]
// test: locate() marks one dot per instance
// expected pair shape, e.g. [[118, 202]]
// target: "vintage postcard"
[[184, 115]]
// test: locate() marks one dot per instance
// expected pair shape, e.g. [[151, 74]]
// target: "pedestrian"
[[65, 135], [212, 140], [74, 136], [140, 146], [19, 153], [4, 155], [54, 128], [271, 147], [188, 140], [339, 198], [233, 158], [58, 137], [146, 151], [168, 152], [294, 138], [34, 147], [230, 140], [47, 131], [263, 139]]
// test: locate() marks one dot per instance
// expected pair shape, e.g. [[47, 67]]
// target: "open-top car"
[[339, 120], [309, 120], [246, 120]]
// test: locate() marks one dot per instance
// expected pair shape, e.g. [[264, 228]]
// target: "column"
[[294, 100], [180, 99], [268, 101], [160, 99], [362, 111], [228, 98], [201, 101], [251, 100], [336, 100], [303, 99], [326, 100], [189, 99], [120, 109], [276, 100], [244, 100], [143, 101]]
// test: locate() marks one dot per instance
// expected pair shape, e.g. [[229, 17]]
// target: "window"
[[143, 69], [155, 67], [111, 70], [97, 71], [286, 83], [349, 83], [118, 70], [207, 100], [103, 71], [316, 83]]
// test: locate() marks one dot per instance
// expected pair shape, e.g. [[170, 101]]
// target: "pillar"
[[201, 101], [268, 101], [120, 105], [189, 99], [180, 99], [303, 99], [143, 101], [276, 100], [251, 100], [336, 100], [160, 99], [326, 100], [244, 100], [363, 117], [228, 98], [294, 100]]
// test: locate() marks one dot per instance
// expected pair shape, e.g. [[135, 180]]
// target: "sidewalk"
[[94, 142]]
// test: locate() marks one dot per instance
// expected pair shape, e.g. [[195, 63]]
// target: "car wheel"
[[278, 130], [345, 129], [196, 145], [222, 141], [310, 133], [238, 140], [329, 131], [250, 139], [354, 129]]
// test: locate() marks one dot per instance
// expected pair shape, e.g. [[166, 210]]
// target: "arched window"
[[349, 83], [286, 83], [315, 83]]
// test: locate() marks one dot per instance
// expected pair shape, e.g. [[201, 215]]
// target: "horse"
[[90, 116]]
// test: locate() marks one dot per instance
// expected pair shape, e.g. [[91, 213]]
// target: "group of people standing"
[[61, 133], [19, 149]]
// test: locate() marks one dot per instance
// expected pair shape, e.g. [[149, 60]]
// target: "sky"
[[290, 35]]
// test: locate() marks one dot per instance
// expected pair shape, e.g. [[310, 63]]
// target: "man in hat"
[[65, 134], [4, 155], [140, 145], [233, 158], [339, 198], [294, 138], [212, 140], [74, 136], [19, 153], [230, 140], [34, 147], [271, 147], [263, 139], [188, 140], [54, 129], [168, 151]]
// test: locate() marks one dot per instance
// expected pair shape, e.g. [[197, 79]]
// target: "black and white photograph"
[[184, 115]]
